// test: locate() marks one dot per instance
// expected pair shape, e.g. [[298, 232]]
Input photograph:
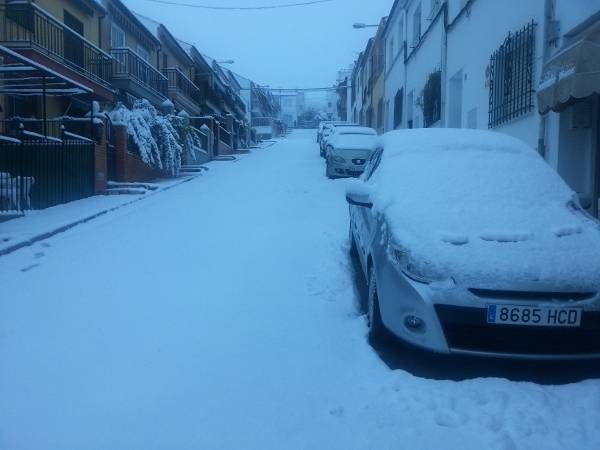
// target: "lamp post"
[[360, 26]]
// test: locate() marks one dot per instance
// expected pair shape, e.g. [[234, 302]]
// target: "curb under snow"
[[48, 234]]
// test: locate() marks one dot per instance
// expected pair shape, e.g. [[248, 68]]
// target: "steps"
[[116, 188]]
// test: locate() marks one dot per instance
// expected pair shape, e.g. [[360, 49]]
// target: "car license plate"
[[533, 316]]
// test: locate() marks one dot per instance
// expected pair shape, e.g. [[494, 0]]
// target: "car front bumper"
[[346, 169], [454, 321]]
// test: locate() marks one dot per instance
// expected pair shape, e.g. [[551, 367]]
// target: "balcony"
[[184, 93], [136, 76], [27, 28]]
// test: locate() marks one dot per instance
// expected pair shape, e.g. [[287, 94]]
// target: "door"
[[73, 42]]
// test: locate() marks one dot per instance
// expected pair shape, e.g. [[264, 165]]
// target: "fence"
[[37, 174]]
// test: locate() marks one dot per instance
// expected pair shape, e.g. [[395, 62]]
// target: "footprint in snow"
[[29, 267], [46, 244], [446, 419], [39, 255]]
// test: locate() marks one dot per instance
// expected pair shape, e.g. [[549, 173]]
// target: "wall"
[[394, 64], [481, 20], [90, 23], [424, 60]]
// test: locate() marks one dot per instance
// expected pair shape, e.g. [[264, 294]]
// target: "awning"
[[22, 76], [573, 73]]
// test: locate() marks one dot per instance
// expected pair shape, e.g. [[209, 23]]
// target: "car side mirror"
[[358, 194]]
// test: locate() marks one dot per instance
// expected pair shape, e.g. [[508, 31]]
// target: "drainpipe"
[[444, 68], [548, 12]]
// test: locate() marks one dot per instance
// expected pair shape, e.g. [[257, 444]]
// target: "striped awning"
[[573, 73]]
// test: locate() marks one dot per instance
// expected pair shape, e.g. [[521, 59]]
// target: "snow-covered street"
[[222, 314]]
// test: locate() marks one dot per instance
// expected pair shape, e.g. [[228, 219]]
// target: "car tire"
[[353, 247], [374, 322], [328, 173]]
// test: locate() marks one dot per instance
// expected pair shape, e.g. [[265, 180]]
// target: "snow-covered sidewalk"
[[221, 315], [37, 225]]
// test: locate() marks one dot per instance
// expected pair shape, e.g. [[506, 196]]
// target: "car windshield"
[[299, 224]]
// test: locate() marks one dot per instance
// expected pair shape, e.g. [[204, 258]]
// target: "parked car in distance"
[[329, 129], [322, 125], [348, 150], [471, 243]]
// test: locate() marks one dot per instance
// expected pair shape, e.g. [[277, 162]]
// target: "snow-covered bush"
[[160, 140]]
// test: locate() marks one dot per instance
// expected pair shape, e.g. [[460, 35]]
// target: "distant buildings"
[[86, 58], [291, 105]]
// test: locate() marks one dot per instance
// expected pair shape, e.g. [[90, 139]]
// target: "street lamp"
[[358, 26]]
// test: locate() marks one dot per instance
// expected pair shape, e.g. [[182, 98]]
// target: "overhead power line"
[[240, 8]]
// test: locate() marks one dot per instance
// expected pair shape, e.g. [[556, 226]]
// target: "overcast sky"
[[292, 47]]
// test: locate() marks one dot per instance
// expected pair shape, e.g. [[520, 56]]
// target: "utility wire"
[[240, 8]]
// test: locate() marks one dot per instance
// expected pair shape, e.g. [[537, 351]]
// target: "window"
[[390, 52], [398, 106], [409, 109], [380, 114], [117, 37], [511, 77], [416, 26], [165, 61], [432, 98]]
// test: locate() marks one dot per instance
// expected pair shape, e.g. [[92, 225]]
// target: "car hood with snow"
[[485, 209]]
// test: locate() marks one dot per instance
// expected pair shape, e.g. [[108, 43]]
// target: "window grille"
[[511, 77]]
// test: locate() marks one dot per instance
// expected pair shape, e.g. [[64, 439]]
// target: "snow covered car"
[[330, 129], [472, 244], [322, 125], [348, 151]]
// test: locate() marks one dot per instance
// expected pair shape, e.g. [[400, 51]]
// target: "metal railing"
[[81, 126], [128, 64], [178, 81], [25, 25], [37, 174], [511, 75]]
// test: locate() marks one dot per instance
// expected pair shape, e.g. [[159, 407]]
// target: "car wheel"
[[376, 328], [328, 173]]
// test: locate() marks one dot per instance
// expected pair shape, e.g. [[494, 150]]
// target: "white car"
[[472, 244], [348, 151], [329, 129]]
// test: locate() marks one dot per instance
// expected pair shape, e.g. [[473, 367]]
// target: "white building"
[[292, 104], [496, 64]]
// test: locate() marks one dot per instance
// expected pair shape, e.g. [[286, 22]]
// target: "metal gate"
[[37, 174]]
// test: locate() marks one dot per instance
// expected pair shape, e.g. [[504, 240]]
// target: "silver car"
[[348, 152], [470, 243]]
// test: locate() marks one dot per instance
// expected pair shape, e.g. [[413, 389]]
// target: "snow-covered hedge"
[[159, 140]]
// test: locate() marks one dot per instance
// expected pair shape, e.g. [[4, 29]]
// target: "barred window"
[[432, 98], [511, 77]]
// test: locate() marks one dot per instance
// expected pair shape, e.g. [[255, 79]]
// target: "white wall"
[[425, 60], [472, 40], [394, 64]]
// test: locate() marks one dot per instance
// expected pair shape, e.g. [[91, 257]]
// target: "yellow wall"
[[56, 8]]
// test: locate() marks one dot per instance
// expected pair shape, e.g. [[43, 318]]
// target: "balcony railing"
[[178, 81], [128, 64], [26, 26]]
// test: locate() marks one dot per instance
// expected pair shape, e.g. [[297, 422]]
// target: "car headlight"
[[337, 159], [420, 271]]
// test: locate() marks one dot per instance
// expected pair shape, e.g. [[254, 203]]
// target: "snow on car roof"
[[355, 130], [477, 203], [356, 142]]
